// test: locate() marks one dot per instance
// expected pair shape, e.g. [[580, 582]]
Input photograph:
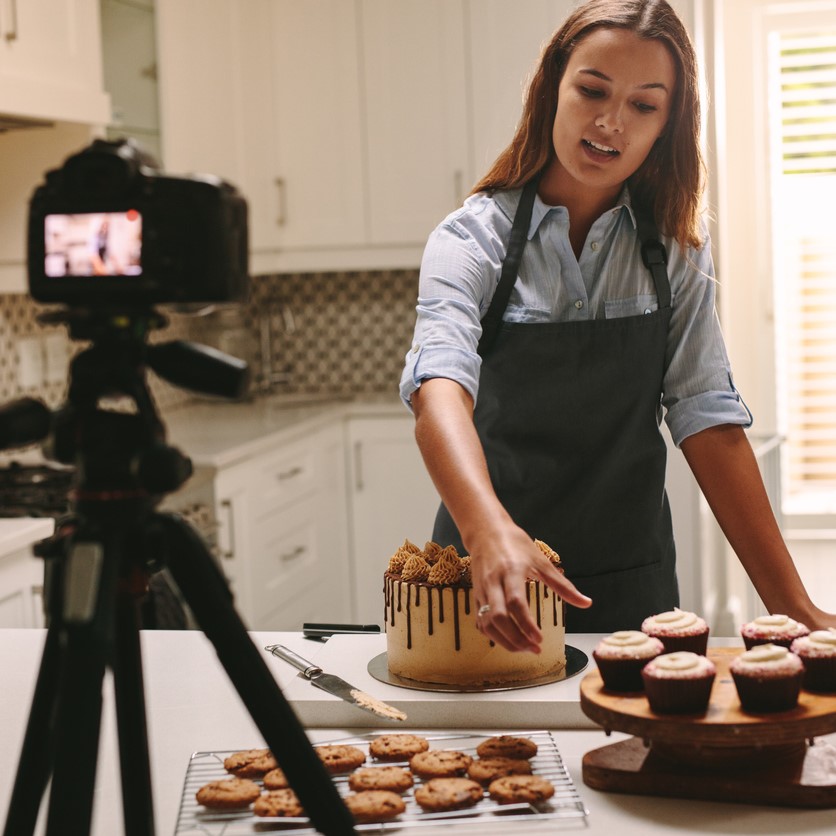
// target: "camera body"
[[108, 229]]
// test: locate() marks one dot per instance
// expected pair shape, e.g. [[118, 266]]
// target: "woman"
[[551, 302]]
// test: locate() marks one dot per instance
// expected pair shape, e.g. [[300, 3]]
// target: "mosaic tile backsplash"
[[333, 333]]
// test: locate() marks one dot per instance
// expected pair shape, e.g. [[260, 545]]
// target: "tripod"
[[96, 569]]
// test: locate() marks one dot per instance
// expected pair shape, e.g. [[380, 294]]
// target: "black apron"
[[568, 416]]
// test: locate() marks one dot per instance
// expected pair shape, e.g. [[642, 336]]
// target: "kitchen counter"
[[192, 707], [18, 534], [219, 434]]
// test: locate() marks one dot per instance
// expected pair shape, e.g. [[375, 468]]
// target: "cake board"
[[724, 755]]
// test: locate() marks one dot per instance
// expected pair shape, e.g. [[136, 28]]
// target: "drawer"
[[283, 478], [284, 558]]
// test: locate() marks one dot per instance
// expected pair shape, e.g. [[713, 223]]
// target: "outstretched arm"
[[502, 555], [726, 470]]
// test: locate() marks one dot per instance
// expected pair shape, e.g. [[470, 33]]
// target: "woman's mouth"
[[598, 150]]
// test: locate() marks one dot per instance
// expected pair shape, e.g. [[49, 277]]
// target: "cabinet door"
[[51, 60], [319, 191], [506, 39], [391, 498], [416, 111]]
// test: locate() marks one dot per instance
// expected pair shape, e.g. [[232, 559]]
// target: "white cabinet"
[[391, 497], [21, 590], [282, 533], [51, 61]]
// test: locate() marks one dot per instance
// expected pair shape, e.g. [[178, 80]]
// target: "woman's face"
[[614, 101]]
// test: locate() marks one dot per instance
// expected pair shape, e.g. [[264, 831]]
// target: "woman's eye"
[[642, 107], [591, 92]]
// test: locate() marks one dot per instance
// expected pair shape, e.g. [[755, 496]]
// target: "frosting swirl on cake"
[[447, 570], [415, 568], [775, 625]]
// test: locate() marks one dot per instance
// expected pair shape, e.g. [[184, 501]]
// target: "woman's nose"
[[611, 120]]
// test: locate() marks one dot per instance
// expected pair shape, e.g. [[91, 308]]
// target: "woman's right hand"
[[502, 559]]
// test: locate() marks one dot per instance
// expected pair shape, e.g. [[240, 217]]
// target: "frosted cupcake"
[[678, 630], [679, 682], [768, 678], [772, 629], [622, 655], [818, 655]]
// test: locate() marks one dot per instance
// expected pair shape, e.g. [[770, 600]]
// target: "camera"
[[108, 229]]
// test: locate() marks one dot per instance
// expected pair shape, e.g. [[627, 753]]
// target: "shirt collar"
[[509, 200]]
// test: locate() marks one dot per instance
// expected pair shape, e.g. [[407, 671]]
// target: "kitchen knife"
[[334, 685]]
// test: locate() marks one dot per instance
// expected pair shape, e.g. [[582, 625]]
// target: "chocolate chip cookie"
[[279, 804], [506, 746], [228, 794], [393, 778], [514, 789], [250, 763], [440, 794], [397, 747], [339, 759], [275, 779], [485, 770], [440, 763], [374, 805]]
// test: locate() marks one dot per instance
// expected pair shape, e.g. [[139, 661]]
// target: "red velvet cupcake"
[[818, 655], [622, 655], [772, 629], [678, 630], [768, 678], [679, 682]]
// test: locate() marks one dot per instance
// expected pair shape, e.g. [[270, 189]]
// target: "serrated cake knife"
[[332, 684]]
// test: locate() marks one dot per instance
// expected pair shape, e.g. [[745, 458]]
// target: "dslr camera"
[[109, 230]]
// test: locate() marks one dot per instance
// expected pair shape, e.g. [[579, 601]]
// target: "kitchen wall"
[[337, 333]]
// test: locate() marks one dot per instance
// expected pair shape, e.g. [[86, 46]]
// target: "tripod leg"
[[207, 593], [36, 756], [135, 763], [89, 590]]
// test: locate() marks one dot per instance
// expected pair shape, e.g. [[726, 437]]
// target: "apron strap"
[[654, 255], [492, 320]]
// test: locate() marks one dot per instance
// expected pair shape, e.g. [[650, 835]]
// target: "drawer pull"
[[229, 554], [290, 474], [286, 557]]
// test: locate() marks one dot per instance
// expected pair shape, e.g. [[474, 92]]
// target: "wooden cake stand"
[[724, 755]]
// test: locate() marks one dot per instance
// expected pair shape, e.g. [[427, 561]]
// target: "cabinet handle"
[[11, 34], [290, 474], [358, 465], [230, 518], [286, 557], [281, 188]]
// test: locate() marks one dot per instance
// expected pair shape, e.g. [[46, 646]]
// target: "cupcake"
[[772, 629], [768, 678], [622, 655], [818, 655], [678, 630], [679, 682]]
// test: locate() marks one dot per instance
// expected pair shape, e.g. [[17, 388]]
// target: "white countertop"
[[192, 706], [218, 434], [17, 534]]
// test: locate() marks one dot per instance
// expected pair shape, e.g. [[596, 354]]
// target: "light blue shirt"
[[461, 267]]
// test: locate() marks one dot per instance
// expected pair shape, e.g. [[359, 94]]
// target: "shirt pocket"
[[633, 306]]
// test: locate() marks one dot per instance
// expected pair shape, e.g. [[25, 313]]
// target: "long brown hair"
[[670, 180]]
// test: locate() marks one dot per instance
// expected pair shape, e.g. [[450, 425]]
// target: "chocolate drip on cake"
[[537, 593], [456, 632], [429, 610]]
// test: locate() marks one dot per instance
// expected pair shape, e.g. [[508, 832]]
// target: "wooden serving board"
[[725, 754]]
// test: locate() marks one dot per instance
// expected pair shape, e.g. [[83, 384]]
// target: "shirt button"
[[647, 310], [594, 246], [416, 348], [579, 304]]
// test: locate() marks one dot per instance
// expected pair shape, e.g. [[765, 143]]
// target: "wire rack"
[[565, 808]]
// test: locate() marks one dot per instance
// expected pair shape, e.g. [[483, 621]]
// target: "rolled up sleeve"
[[699, 390]]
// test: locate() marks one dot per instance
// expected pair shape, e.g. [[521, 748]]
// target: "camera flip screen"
[[93, 244]]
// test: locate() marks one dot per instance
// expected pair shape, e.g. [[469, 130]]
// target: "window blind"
[[804, 73]]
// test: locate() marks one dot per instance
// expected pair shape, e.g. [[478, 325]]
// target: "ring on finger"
[[485, 608]]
